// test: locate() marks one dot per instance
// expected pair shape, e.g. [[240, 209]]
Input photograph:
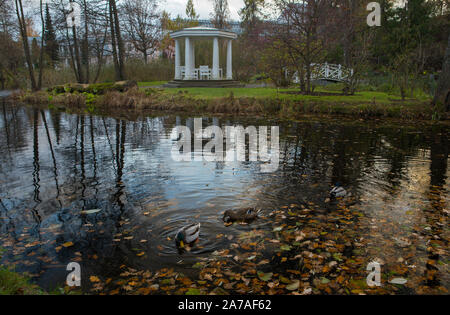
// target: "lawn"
[[151, 83], [214, 93]]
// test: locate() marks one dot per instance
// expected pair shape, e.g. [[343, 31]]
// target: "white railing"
[[327, 71]]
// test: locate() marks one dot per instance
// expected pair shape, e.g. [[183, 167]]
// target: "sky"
[[203, 7]]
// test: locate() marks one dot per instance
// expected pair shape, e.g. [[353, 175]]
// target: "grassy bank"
[[283, 103], [13, 283]]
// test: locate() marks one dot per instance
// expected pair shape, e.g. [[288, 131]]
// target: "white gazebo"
[[190, 72]]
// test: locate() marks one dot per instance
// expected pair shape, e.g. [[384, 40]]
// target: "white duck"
[[338, 192]]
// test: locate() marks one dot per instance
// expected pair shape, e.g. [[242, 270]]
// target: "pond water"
[[54, 166]]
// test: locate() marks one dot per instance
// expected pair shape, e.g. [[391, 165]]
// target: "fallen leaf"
[[293, 286]]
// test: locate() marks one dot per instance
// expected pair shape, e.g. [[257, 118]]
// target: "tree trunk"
[[77, 55], [442, 95], [2, 79], [145, 57], [86, 43], [76, 48], [26, 46], [41, 56], [113, 42], [121, 51]]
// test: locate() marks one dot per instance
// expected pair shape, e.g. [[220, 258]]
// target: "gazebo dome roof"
[[203, 31]]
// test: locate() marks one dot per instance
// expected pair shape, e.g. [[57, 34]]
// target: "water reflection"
[[55, 166]]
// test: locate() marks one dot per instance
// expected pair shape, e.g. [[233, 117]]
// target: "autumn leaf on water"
[[265, 276], [94, 279], [293, 286], [193, 291], [91, 211], [398, 281], [285, 247], [67, 244]]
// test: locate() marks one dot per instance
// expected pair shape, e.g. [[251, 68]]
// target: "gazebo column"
[[192, 58], [215, 69], [229, 60], [177, 60], [188, 59]]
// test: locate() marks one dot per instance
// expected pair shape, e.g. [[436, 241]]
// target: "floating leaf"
[[398, 281], [94, 279], [324, 280], [285, 247], [265, 276], [293, 286], [67, 244], [197, 265], [193, 291], [91, 211]]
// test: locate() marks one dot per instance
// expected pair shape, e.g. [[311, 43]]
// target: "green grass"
[[151, 83], [212, 93], [366, 97], [12, 283]]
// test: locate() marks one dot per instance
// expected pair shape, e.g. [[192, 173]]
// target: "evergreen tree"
[[190, 11], [250, 14], [51, 44]]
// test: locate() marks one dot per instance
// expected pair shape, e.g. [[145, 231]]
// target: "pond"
[[55, 166]]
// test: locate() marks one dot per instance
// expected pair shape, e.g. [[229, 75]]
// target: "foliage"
[[190, 11], [12, 283], [276, 63]]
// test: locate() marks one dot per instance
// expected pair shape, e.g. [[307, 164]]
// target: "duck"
[[338, 192], [187, 235], [245, 215]]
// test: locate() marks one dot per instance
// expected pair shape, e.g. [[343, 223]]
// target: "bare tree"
[[99, 23], [142, 25], [6, 17], [302, 29], [26, 47], [220, 14], [117, 41], [356, 39]]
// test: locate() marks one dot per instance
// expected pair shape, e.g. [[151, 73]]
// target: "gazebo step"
[[203, 83]]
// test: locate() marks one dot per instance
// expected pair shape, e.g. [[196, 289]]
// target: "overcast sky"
[[203, 7]]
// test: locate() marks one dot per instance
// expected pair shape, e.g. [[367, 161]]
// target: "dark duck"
[[245, 215]]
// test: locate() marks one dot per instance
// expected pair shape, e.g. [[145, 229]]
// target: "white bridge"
[[327, 72]]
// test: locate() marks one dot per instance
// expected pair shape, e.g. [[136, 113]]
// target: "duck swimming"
[[245, 215], [187, 235], [338, 192]]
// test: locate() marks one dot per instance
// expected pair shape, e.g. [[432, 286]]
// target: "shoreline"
[[137, 102]]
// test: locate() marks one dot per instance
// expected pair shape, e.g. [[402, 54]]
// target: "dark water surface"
[[54, 165]]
